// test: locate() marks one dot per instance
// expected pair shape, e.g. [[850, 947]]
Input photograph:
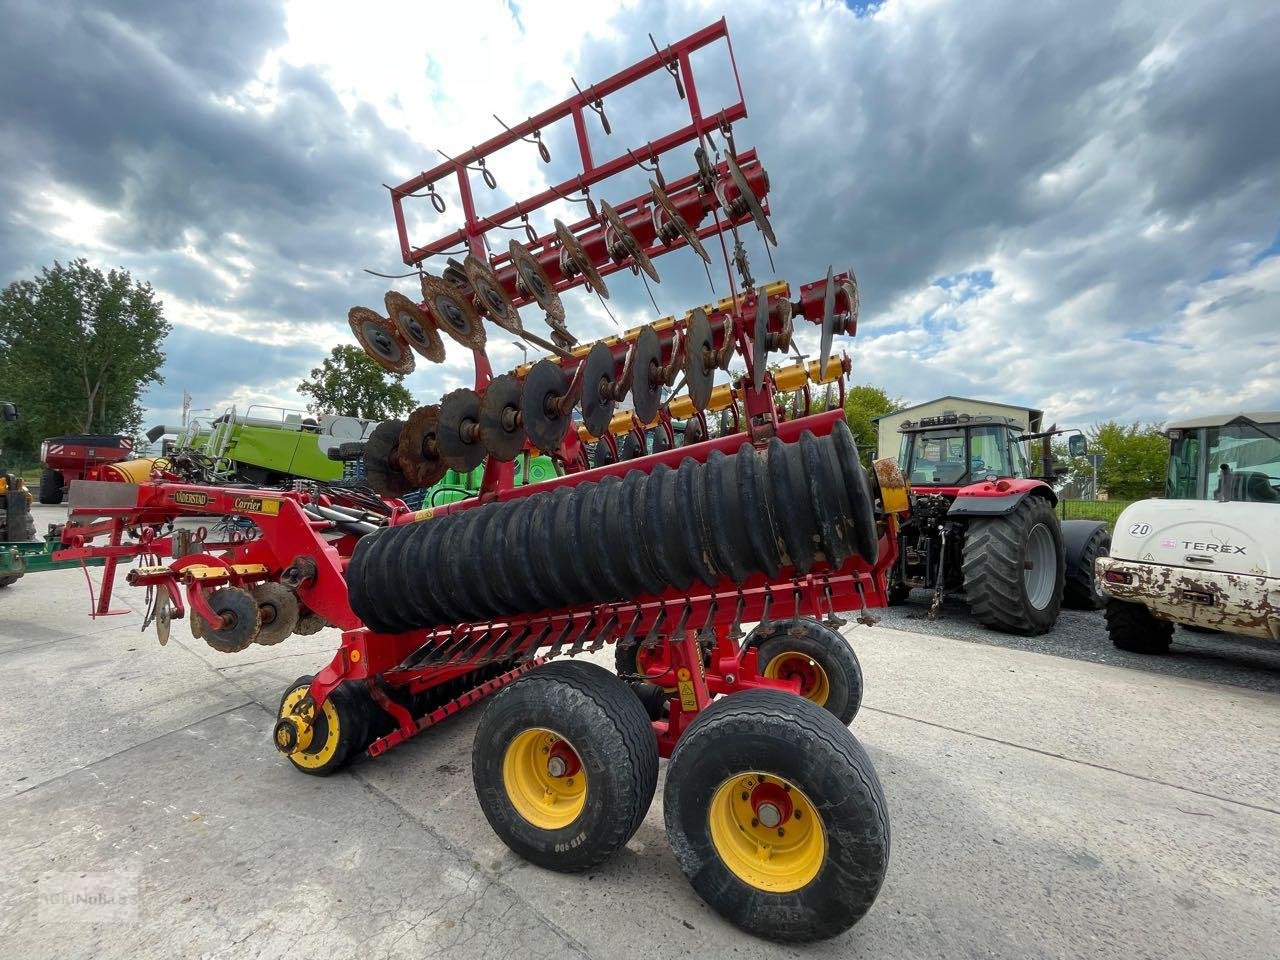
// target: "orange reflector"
[[355, 656]]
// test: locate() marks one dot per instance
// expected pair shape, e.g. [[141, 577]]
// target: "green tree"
[[861, 404], [1134, 458], [77, 348], [350, 383]]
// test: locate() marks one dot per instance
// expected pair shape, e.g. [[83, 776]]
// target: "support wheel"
[[776, 817], [320, 741], [565, 765], [1014, 568], [819, 657], [1132, 627]]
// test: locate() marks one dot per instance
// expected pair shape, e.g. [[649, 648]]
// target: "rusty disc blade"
[[597, 389], [682, 226], [536, 282], [753, 202], [828, 323], [545, 383], [459, 436], [491, 295], [452, 312], [646, 383], [384, 475], [381, 340], [418, 450], [501, 429], [414, 326], [577, 256], [628, 240], [699, 360], [853, 301]]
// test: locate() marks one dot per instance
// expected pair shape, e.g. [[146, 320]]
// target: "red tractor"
[[78, 457], [982, 522]]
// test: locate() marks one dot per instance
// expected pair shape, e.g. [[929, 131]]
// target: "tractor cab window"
[[988, 452], [1184, 468], [1018, 458], [1251, 456], [937, 456]]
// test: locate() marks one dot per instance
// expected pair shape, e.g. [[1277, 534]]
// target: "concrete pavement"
[[1040, 807]]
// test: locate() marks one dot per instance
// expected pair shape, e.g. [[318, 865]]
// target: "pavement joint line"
[[119, 753], [75, 636], [1085, 763]]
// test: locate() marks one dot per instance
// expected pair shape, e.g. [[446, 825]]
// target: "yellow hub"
[[767, 832], [317, 736], [791, 664], [544, 780]]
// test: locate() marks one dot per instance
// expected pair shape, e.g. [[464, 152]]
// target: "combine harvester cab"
[[1207, 556], [772, 808]]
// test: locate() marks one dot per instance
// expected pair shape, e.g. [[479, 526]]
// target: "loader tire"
[[1132, 627], [50, 487], [1085, 542], [824, 868], [1014, 568], [565, 765]]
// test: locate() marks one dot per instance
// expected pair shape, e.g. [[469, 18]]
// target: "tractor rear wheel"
[[817, 656], [565, 765], [775, 815], [50, 486], [1014, 568], [1132, 627]]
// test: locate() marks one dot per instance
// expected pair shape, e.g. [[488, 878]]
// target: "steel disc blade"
[[415, 326], [500, 430], [545, 383], [418, 450], [759, 340], [628, 240], [682, 226], [459, 443], [660, 439], [491, 294], [753, 202], [828, 323], [597, 389], [853, 299], [380, 340], [452, 312], [578, 257], [386, 479], [536, 282], [699, 361], [646, 388], [601, 453]]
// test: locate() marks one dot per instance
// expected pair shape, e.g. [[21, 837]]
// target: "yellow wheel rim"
[[312, 753], [791, 664], [767, 832], [539, 775]]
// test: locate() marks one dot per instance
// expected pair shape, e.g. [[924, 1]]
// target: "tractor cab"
[[1225, 458], [947, 452]]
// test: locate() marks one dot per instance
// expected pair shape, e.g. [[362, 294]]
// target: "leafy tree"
[[1134, 458], [861, 404], [351, 383], [77, 348]]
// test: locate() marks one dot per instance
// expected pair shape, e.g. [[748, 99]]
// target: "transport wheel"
[[776, 817], [1132, 627], [240, 611], [565, 765], [1014, 567], [820, 658], [50, 486], [1085, 542], [338, 730], [277, 612]]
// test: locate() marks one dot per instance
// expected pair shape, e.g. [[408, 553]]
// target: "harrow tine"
[[532, 649], [708, 631], [487, 656], [580, 641], [436, 653], [735, 628], [864, 618], [474, 647], [651, 638], [604, 631], [630, 635], [795, 630], [831, 619], [765, 622], [560, 640]]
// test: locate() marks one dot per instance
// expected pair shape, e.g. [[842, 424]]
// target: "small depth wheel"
[[776, 816], [565, 765], [819, 657], [318, 742]]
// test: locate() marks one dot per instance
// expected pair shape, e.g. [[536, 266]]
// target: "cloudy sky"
[[1072, 205]]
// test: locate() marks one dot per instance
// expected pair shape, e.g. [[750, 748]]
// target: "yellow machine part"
[[893, 485], [128, 471]]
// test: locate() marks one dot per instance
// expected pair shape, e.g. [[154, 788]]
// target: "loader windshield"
[[1250, 454]]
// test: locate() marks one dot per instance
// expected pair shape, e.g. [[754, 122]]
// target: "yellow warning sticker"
[[425, 514], [688, 697]]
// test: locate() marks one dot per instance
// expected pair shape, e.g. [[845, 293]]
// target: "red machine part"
[[78, 457]]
